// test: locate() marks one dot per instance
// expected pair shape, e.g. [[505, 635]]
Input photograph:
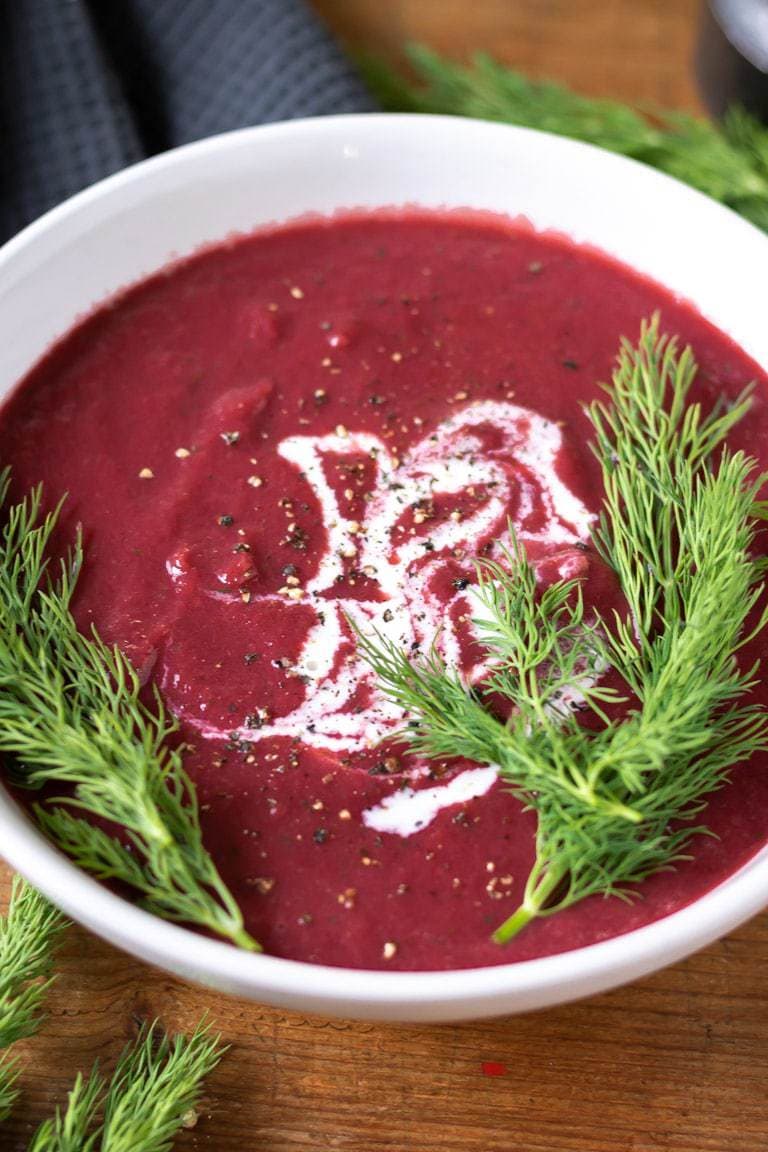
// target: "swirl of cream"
[[506, 453]]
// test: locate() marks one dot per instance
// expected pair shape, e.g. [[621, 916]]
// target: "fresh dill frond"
[[9, 1073], [29, 934], [616, 801], [72, 714], [72, 1129], [678, 744], [656, 452], [154, 1090], [156, 1085], [157, 1081], [728, 162], [539, 646]]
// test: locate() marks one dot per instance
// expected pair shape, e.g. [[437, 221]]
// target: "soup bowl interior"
[[136, 222]]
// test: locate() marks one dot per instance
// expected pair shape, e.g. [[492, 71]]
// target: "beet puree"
[[328, 420]]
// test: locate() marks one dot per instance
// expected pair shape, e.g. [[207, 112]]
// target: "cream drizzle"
[[446, 462], [409, 810]]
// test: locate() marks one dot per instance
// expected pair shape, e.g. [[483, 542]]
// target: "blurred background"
[[90, 86], [635, 50]]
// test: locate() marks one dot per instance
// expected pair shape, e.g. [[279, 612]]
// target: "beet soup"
[[323, 424]]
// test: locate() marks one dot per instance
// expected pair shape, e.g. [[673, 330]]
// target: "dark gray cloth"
[[88, 86]]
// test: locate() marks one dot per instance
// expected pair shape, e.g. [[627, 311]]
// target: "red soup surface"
[[325, 423]]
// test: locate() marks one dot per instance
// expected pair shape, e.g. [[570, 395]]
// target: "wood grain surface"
[[637, 50], [678, 1062]]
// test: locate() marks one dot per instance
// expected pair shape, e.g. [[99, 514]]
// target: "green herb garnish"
[[9, 1071], [728, 163], [616, 801], [29, 934], [156, 1084], [153, 1091], [72, 714], [68, 1130]]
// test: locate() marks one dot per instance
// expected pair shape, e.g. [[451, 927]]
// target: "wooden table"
[[678, 1062]]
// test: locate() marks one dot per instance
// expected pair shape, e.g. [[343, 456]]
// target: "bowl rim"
[[426, 995]]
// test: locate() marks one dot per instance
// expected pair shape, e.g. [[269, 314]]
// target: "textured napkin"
[[88, 87]]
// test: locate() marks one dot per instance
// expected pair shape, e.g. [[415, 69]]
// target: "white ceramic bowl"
[[133, 223]]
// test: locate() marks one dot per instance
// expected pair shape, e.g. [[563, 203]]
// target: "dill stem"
[[536, 896], [242, 939], [514, 924], [587, 792], [237, 933], [622, 810]]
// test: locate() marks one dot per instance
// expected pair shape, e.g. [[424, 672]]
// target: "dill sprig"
[[72, 714], [155, 1088], [540, 646], [616, 801], [9, 1072], [68, 1130], [29, 933], [728, 162], [156, 1084]]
